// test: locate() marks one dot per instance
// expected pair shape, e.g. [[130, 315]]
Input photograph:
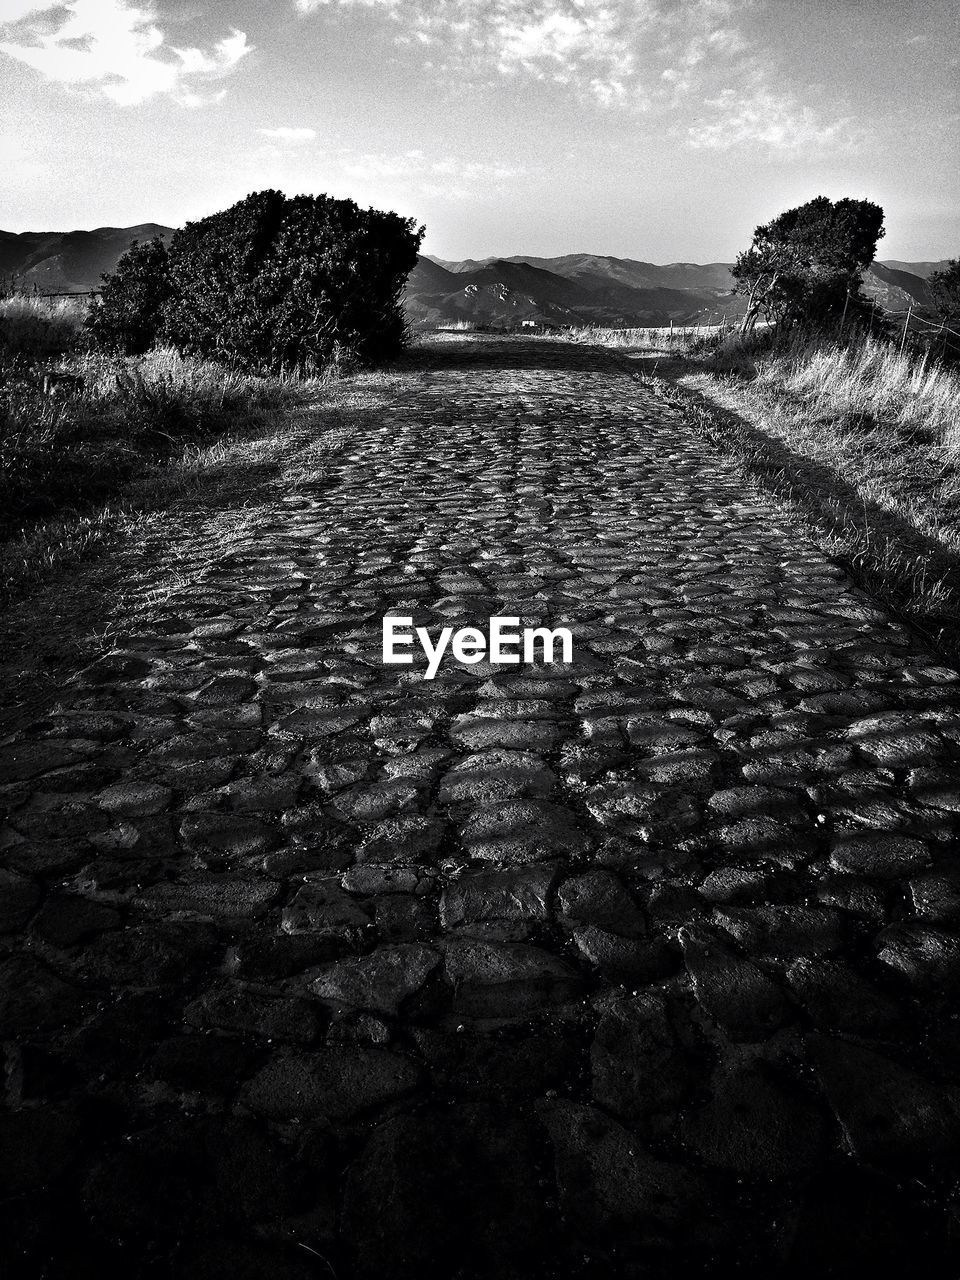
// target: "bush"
[[805, 266], [36, 328], [269, 284], [945, 291], [127, 316]]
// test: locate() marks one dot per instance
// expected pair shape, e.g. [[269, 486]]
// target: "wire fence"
[[11, 287], [938, 339], [69, 293]]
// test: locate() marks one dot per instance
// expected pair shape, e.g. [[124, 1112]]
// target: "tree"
[[284, 283], [806, 264], [129, 312], [945, 292]]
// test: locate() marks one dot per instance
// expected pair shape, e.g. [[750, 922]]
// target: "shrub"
[[945, 291], [127, 316], [268, 284], [276, 283], [805, 266]]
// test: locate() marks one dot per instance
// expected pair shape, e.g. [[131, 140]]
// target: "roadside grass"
[[66, 584], [61, 454], [287, 441], [118, 437], [664, 338], [888, 424], [34, 328], [860, 439]]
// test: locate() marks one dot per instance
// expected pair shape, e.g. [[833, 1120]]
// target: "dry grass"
[[887, 424], [69, 467], [39, 328], [286, 429], [873, 381], [665, 338], [862, 441], [61, 454]]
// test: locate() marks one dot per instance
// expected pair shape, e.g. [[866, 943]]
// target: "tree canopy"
[[129, 312], [945, 291], [806, 264], [270, 283]]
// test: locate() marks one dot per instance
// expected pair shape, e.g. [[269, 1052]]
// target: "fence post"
[[903, 336], [846, 303]]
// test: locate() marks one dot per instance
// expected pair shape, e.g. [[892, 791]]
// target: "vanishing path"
[[640, 967]]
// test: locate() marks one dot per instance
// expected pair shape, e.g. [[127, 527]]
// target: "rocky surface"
[[641, 966]]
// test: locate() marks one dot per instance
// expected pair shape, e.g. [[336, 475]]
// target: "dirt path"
[[642, 966]]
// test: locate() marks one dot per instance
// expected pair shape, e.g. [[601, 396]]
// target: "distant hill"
[[68, 261], [578, 289], [896, 290], [638, 275], [574, 288], [922, 269], [583, 288]]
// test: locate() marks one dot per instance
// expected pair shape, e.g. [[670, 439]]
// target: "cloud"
[[611, 51], [673, 59], [14, 10], [759, 117], [117, 48], [285, 134], [431, 176], [310, 6]]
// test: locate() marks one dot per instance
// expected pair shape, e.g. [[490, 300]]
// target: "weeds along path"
[[641, 965]]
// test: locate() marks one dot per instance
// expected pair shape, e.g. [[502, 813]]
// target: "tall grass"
[[35, 328], [59, 455], [862, 439], [872, 384], [887, 424], [678, 337]]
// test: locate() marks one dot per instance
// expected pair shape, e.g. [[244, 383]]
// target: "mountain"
[[578, 289], [922, 269], [584, 288], [68, 261], [896, 290], [638, 275], [574, 288]]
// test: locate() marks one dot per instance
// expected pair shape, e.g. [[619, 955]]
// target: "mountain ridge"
[[602, 289], [573, 288], [68, 261]]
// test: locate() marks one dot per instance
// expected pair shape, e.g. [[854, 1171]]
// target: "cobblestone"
[[638, 964]]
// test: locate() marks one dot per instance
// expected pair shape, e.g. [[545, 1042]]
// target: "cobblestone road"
[[642, 966]]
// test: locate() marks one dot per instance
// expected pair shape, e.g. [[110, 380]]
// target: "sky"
[[663, 130]]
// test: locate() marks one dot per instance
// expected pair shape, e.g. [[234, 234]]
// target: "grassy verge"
[[862, 440], [64, 453], [86, 439], [34, 328], [679, 338], [887, 424], [74, 585]]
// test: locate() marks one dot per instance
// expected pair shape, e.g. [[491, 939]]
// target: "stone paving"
[[642, 966]]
